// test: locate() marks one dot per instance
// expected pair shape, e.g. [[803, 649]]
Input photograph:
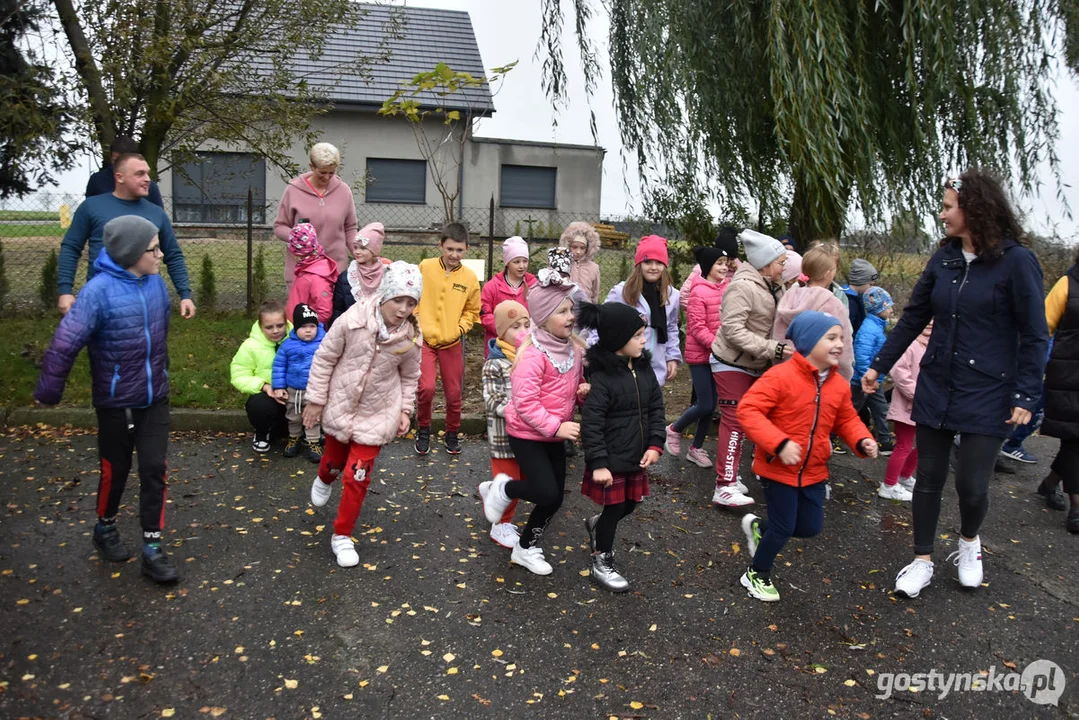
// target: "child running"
[[363, 387], [291, 366], [251, 373], [315, 273], [546, 380], [788, 414], [899, 476], [511, 326], [622, 425]]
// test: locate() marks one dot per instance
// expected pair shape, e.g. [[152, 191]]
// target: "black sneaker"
[[423, 440], [314, 453], [1073, 521], [885, 448], [295, 444], [837, 447], [157, 566], [1055, 499], [108, 543], [452, 443], [261, 443]]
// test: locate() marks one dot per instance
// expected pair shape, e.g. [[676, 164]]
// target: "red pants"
[[510, 467], [731, 385], [354, 459], [904, 459], [450, 364]]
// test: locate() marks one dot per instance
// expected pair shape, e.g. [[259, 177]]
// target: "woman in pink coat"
[[362, 385], [510, 284], [702, 322], [899, 476]]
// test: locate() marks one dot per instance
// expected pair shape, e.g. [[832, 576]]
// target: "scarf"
[[558, 351], [365, 279], [658, 321], [510, 351], [385, 332]]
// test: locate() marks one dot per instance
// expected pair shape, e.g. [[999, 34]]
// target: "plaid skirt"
[[626, 486]]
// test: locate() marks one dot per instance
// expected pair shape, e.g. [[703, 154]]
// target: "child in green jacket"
[[252, 370]]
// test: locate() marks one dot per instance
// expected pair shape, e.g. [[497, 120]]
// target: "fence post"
[[490, 236], [250, 238]]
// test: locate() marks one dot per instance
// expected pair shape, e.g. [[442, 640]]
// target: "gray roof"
[[428, 36]]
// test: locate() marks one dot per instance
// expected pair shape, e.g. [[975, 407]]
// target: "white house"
[[529, 181]]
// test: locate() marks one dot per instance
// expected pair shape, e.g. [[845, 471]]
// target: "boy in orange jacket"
[[789, 414]]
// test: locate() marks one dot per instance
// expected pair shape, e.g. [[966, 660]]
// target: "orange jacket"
[[789, 402]]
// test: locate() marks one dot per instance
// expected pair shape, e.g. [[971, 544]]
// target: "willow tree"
[[820, 107]]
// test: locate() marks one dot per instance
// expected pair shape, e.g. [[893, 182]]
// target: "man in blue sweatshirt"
[[103, 181], [132, 176]]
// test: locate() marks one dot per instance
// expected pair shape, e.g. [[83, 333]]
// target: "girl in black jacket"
[[622, 426]]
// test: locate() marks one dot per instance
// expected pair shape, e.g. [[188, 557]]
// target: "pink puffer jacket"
[[364, 383], [798, 299], [702, 318], [905, 376], [542, 398]]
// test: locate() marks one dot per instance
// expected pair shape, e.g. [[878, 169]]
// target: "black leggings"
[[266, 415], [543, 482], [974, 467], [120, 432], [608, 522], [1066, 465]]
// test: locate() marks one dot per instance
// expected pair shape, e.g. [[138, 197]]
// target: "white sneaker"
[[698, 457], [505, 534], [673, 442], [320, 492], [531, 559], [751, 527], [914, 578], [731, 496], [894, 492], [908, 483], [495, 500], [345, 550], [742, 487], [261, 444], [969, 559]]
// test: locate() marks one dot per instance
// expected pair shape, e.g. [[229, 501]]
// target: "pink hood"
[[798, 299]]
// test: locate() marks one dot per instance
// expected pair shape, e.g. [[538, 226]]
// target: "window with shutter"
[[396, 181], [527, 186], [213, 188]]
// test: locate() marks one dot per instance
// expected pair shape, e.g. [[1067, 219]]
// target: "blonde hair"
[[324, 154], [817, 261]]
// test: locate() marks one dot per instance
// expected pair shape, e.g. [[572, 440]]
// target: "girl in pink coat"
[[510, 284], [702, 322], [546, 379], [315, 276], [582, 240], [362, 385], [899, 476]]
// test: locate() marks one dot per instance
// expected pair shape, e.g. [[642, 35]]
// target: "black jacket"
[[1062, 372], [342, 298], [623, 415]]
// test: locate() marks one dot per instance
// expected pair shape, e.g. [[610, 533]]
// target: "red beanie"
[[651, 247]]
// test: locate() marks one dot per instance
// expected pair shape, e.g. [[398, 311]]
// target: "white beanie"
[[761, 249], [400, 279]]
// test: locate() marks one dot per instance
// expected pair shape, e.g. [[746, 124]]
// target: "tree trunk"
[[809, 220], [100, 111]]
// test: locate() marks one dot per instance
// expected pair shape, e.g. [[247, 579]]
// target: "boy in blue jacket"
[[867, 343], [122, 316], [291, 366]]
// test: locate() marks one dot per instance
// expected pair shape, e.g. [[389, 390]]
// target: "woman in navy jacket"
[[982, 370]]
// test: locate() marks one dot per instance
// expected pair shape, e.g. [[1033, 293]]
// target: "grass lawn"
[[24, 230], [29, 215]]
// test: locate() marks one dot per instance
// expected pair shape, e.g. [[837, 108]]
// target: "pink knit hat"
[[651, 247], [303, 241], [513, 248], [793, 269], [371, 236], [545, 297]]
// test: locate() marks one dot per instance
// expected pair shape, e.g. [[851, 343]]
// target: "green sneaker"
[[759, 586], [751, 526]]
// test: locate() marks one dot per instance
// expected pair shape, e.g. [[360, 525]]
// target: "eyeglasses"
[[156, 250]]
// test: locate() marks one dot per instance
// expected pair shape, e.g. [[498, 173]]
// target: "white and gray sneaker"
[[531, 559], [604, 574], [505, 534], [320, 492], [914, 578], [742, 487], [261, 443], [345, 551], [495, 500], [908, 482], [969, 560], [731, 496], [894, 492]]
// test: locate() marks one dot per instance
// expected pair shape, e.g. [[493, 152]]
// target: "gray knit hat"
[[761, 250], [862, 272], [127, 237]]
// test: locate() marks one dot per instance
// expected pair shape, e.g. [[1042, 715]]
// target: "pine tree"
[[208, 284], [46, 288], [260, 285]]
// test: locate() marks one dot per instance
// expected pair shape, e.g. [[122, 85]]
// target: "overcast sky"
[[508, 31]]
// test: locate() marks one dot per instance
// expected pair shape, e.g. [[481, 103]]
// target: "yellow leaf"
[[736, 548], [239, 650], [653, 628], [849, 683], [552, 595], [217, 711], [168, 712], [636, 705], [382, 668], [449, 657], [451, 671], [347, 696], [443, 698], [735, 652], [23, 601], [364, 683], [291, 684], [496, 652]]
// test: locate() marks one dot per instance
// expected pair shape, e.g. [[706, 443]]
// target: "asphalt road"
[[436, 623]]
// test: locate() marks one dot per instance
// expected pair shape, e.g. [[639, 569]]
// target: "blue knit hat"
[[808, 328], [876, 300]]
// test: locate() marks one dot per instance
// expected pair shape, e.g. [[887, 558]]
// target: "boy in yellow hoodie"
[[448, 308]]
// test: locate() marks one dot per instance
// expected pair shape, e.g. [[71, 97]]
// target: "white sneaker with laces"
[[495, 500], [505, 534], [969, 560], [673, 443], [914, 578], [731, 496], [320, 492], [698, 457], [742, 487], [531, 559], [894, 492], [261, 444], [908, 483], [345, 550]]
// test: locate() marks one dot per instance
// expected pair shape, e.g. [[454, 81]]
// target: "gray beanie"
[[862, 272], [761, 249], [127, 237]]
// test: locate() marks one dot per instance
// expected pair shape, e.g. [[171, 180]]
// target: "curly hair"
[[989, 215]]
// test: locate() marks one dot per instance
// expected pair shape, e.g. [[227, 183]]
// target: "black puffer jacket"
[[623, 414], [1062, 372]]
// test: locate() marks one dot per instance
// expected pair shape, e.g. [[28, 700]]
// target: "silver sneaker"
[[604, 574]]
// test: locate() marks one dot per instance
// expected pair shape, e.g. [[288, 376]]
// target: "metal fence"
[[33, 227]]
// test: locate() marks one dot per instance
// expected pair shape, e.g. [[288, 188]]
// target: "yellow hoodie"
[[450, 303]]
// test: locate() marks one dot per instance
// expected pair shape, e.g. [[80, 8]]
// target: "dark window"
[[396, 181], [525, 186], [213, 188]]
